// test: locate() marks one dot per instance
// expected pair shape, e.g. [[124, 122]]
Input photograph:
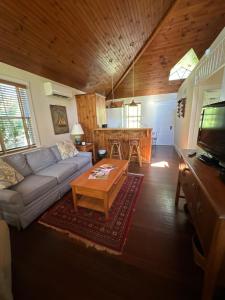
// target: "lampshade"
[[77, 129], [133, 103]]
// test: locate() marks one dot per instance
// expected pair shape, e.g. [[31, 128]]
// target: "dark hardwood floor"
[[157, 262]]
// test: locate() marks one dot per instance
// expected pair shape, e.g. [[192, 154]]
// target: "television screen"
[[211, 136]]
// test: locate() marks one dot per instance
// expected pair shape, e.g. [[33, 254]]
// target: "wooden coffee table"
[[99, 194]]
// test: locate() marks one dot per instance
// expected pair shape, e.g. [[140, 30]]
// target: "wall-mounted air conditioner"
[[55, 89]]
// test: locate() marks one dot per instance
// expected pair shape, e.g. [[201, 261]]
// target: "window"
[[184, 67], [15, 120], [133, 116]]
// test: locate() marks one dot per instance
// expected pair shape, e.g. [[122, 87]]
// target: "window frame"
[[181, 71], [25, 120], [129, 117]]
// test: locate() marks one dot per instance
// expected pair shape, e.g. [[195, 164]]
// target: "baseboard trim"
[[178, 150]]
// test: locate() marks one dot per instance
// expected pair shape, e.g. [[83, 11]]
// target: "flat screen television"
[[211, 136]]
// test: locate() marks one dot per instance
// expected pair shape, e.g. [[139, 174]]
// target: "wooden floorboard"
[[157, 262]]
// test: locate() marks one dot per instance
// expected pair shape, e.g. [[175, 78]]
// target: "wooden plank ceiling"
[[78, 43], [189, 24]]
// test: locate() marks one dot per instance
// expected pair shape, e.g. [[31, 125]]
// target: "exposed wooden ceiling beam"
[[146, 45]]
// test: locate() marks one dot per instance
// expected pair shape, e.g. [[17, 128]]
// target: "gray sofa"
[[46, 180]]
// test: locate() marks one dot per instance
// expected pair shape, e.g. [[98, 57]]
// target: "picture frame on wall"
[[59, 119]]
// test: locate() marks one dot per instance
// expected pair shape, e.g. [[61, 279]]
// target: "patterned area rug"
[[90, 226]]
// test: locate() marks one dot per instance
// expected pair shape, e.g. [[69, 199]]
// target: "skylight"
[[184, 67]]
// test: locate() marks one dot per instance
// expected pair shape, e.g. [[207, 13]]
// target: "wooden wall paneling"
[[86, 110], [84, 49], [91, 110], [73, 42], [100, 110], [142, 50], [186, 26]]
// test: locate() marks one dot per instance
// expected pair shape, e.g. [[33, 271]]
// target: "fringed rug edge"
[[84, 241]]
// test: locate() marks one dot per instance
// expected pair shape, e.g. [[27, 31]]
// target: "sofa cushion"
[[55, 150], [77, 161], [67, 149], [8, 175], [9, 197], [34, 186], [40, 159], [58, 170], [18, 162]]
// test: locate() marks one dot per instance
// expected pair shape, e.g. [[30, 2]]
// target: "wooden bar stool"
[[115, 148], [134, 150]]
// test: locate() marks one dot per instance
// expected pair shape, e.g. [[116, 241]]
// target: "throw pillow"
[[8, 175], [67, 149]]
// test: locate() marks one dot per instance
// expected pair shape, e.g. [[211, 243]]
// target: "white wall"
[[114, 117], [158, 112], [186, 129], [182, 124], [214, 82], [40, 104], [193, 89]]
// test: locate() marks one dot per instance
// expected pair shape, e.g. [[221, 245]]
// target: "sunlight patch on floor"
[[160, 164]]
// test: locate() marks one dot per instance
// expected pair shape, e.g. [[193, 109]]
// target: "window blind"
[[15, 119]]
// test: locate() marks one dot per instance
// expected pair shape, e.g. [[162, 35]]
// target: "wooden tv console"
[[205, 196]]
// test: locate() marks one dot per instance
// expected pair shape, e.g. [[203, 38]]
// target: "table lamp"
[[77, 131]]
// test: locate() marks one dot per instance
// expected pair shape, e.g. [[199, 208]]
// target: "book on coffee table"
[[107, 166], [101, 172]]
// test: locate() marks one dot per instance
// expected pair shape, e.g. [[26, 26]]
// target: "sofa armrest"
[[86, 154], [10, 198]]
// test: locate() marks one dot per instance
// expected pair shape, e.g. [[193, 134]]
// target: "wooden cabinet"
[[206, 218], [100, 111], [190, 187], [91, 111], [205, 196]]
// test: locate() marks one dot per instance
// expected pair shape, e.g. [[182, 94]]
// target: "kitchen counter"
[[102, 135], [130, 129]]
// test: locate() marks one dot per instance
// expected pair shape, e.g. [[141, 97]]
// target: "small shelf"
[[91, 203]]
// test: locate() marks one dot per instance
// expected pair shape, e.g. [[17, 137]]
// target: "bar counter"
[[102, 135]]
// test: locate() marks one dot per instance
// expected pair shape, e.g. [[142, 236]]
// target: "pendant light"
[[112, 101], [112, 89], [133, 103]]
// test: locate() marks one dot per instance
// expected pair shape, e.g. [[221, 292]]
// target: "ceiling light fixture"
[[133, 103], [112, 101], [112, 91]]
